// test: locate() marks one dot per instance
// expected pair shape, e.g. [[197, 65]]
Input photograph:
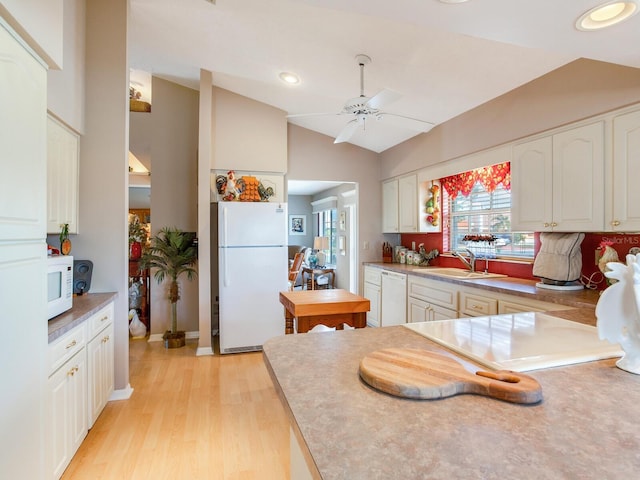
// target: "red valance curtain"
[[489, 177]]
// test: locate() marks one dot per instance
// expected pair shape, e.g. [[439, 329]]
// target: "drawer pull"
[[71, 345], [615, 223], [105, 339], [72, 372], [476, 307], [106, 317]]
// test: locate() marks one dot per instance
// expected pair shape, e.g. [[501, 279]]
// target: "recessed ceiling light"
[[289, 78], [606, 15], [453, 1]]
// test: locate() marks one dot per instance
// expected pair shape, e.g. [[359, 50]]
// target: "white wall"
[[573, 92]]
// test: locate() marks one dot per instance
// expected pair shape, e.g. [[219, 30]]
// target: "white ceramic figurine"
[[618, 312]]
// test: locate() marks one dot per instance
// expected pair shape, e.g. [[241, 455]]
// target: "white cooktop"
[[519, 342]]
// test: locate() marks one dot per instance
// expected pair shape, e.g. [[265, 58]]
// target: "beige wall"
[[174, 156], [247, 135], [313, 156], [573, 92], [39, 23], [103, 166], [65, 88]]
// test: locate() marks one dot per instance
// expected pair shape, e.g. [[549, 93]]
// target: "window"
[[478, 214], [327, 228]]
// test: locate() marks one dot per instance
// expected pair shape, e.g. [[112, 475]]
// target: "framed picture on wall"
[[297, 224]]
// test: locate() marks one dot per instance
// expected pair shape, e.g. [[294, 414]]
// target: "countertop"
[[586, 426], [509, 285], [83, 307]]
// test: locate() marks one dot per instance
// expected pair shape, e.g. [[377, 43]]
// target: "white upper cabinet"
[[390, 206], [626, 172], [63, 153], [23, 107], [408, 203], [558, 182], [400, 204]]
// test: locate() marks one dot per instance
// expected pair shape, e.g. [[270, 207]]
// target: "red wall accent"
[[621, 244]]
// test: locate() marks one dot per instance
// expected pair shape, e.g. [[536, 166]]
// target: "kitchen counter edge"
[[83, 307], [508, 285]]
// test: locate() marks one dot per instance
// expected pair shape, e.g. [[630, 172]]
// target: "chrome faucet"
[[469, 262]]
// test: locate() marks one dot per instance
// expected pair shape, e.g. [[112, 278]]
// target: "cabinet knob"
[[554, 224], [615, 223], [546, 225]]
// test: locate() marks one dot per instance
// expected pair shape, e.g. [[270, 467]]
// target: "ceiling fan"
[[365, 109]]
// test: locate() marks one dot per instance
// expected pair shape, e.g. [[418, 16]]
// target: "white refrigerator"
[[252, 271]]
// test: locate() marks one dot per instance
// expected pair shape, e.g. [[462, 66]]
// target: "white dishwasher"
[[393, 308]]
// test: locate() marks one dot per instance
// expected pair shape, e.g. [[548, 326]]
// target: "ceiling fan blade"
[[406, 122], [383, 98], [348, 131]]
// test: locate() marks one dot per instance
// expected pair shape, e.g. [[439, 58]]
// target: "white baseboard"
[[204, 351], [157, 337], [121, 394]]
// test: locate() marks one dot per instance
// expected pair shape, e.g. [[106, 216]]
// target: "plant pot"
[[135, 252], [174, 340]]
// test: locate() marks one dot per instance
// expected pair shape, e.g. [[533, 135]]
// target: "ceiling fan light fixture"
[[606, 15], [289, 78]]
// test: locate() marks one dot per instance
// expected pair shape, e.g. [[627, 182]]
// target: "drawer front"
[[477, 306], [372, 275], [100, 320], [511, 307], [66, 347], [433, 291]]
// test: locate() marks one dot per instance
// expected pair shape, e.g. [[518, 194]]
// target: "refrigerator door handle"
[[227, 280]]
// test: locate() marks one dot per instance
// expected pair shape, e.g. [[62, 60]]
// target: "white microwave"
[[59, 284]]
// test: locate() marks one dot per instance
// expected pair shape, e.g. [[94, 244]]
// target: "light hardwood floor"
[[209, 417]]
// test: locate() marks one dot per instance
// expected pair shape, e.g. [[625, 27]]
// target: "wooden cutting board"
[[421, 374]]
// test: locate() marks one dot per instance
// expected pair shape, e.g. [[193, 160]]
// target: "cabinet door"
[[390, 206], [408, 204], [626, 172], [100, 355], [67, 412], [23, 117], [578, 179], [372, 292], [531, 181], [62, 176], [418, 311]]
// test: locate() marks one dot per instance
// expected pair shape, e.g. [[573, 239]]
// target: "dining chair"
[[294, 270]]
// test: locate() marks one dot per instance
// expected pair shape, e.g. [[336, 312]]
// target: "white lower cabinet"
[[100, 359], [371, 291], [100, 356], [430, 300], [421, 311], [67, 400], [80, 383], [477, 305]]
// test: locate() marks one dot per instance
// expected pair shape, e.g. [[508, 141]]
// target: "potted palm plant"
[[172, 253]]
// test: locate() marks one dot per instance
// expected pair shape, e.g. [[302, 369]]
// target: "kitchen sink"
[[457, 273]]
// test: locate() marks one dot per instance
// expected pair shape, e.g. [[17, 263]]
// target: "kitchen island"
[[586, 427]]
